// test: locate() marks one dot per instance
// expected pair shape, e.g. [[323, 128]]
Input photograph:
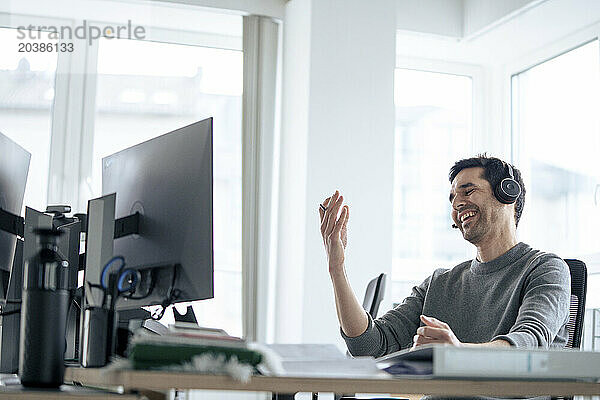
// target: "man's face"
[[475, 210]]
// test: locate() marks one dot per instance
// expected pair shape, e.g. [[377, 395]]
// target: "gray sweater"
[[522, 297]]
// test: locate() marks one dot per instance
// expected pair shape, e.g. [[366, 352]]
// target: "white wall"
[[438, 17], [269, 8], [537, 25], [348, 131], [292, 174], [482, 14]]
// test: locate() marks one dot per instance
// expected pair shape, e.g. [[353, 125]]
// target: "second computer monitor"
[[14, 166], [169, 181]]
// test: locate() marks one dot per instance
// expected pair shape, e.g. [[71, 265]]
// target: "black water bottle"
[[44, 310]]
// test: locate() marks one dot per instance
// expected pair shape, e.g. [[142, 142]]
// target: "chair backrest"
[[374, 295], [577, 308]]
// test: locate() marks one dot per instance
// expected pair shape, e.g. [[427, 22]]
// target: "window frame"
[[476, 73], [168, 36], [479, 112], [88, 94], [543, 54]]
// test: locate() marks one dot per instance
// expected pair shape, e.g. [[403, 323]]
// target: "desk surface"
[[160, 381], [64, 392]]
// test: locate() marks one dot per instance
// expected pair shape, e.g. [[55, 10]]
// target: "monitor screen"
[[169, 181], [14, 166]]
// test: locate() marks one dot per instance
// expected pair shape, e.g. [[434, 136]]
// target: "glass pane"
[[592, 296], [145, 89], [26, 99], [557, 129], [433, 130]]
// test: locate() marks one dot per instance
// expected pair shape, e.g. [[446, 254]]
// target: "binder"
[[447, 361]]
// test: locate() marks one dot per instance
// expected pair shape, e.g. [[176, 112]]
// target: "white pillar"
[[337, 133]]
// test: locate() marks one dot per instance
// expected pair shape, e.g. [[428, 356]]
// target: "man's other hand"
[[434, 332]]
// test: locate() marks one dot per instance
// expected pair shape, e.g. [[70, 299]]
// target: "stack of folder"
[[181, 344]]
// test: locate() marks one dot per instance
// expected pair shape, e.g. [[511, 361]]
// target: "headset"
[[508, 190]]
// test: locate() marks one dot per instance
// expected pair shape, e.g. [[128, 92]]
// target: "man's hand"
[[333, 231], [353, 318], [436, 332]]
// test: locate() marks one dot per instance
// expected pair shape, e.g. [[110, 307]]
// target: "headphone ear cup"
[[507, 191]]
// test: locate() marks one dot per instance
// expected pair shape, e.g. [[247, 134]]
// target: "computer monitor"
[[14, 166], [169, 181]]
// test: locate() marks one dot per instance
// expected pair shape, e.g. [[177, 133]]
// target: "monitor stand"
[[11, 324], [189, 315], [132, 320]]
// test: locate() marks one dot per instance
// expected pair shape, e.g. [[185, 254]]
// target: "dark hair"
[[494, 171]]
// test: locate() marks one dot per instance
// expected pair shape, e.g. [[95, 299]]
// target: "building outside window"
[[26, 100], [145, 89]]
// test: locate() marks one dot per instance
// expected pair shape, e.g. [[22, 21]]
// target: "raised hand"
[[334, 230]]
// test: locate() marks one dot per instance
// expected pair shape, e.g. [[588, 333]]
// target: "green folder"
[[158, 355]]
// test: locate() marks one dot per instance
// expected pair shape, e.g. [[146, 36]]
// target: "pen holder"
[[94, 337]]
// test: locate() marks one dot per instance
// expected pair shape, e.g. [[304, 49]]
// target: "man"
[[509, 295]]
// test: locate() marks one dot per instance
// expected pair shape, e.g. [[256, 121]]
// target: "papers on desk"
[[313, 360], [9, 380], [498, 363]]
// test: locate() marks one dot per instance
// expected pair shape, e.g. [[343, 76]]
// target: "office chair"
[[374, 295], [578, 272]]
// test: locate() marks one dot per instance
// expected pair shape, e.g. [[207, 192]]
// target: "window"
[[109, 94], [433, 130], [145, 89], [26, 100], [556, 135]]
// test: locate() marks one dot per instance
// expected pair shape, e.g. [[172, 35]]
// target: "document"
[[314, 360]]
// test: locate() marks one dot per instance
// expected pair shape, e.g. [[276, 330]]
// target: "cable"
[[172, 295], [95, 285]]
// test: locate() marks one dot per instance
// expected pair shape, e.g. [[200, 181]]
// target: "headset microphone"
[[455, 226]]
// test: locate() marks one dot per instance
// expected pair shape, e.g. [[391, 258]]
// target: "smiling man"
[[509, 295]]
